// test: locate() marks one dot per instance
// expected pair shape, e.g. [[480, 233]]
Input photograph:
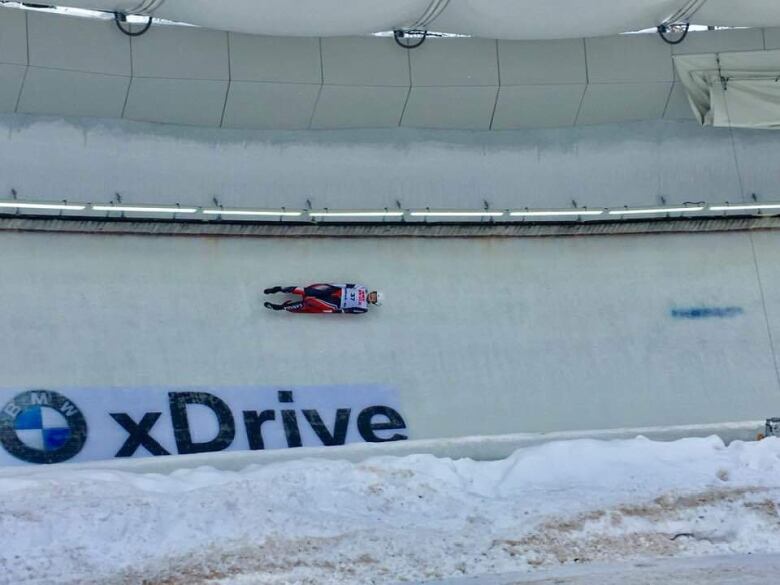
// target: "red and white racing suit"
[[327, 298]]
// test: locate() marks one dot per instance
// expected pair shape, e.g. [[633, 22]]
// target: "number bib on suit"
[[353, 297]]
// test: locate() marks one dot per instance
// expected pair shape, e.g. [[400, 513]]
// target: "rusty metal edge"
[[103, 226]]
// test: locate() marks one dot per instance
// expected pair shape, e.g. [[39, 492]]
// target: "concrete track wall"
[[482, 336], [608, 166]]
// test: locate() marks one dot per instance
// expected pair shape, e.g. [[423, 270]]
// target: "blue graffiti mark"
[[707, 312]]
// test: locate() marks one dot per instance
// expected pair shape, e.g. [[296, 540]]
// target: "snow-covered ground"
[[387, 520]]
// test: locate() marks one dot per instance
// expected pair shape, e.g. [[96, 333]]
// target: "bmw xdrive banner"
[[45, 425]]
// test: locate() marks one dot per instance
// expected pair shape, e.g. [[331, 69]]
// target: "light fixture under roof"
[[253, 212], [745, 207], [656, 210], [49, 206], [456, 213], [145, 208], [356, 213], [557, 213]]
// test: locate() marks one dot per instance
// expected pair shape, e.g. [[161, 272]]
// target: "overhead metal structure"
[[502, 19], [733, 89]]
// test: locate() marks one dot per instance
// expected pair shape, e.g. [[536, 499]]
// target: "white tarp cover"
[[733, 89], [505, 19]]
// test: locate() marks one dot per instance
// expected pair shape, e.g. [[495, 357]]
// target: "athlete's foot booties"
[[272, 290]]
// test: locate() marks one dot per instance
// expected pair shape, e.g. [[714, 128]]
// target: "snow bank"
[[390, 519]]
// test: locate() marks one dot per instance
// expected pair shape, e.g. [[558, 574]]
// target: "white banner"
[[87, 424]]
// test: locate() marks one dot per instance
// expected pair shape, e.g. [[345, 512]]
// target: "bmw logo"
[[42, 426]]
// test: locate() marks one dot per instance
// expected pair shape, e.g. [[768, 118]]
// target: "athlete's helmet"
[[380, 296]]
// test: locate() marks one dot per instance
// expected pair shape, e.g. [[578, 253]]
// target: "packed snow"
[[393, 519]]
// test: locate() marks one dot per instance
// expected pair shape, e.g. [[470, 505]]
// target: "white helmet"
[[380, 296]]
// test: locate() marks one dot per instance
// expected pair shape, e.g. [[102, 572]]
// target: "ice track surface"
[[387, 520]]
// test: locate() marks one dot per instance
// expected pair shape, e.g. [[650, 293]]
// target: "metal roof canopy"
[[733, 89], [502, 19]]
